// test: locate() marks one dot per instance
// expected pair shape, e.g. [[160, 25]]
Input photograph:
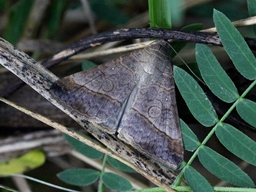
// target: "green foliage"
[[247, 110], [88, 65], [26, 162], [252, 10], [214, 76], [3, 5], [160, 14], [17, 17], [83, 177], [79, 177], [83, 148], [237, 142], [195, 98], [223, 168], [196, 181], [199, 105], [235, 46], [119, 165], [222, 86], [107, 11], [165, 13], [116, 182], [53, 21], [190, 140]]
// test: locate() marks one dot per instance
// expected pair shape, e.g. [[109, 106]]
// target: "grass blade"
[[160, 14], [17, 18]]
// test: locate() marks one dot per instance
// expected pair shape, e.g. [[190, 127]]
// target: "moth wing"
[[150, 122], [99, 94]]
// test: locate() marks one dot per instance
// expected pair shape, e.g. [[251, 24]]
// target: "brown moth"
[[133, 96]]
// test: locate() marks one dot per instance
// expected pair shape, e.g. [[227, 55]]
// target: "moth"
[[132, 96]]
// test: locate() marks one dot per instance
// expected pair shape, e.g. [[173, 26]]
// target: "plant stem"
[[101, 185]]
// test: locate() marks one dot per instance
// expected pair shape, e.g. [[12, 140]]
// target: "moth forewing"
[[133, 95]]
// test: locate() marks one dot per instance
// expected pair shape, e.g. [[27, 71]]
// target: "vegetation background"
[[41, 28]]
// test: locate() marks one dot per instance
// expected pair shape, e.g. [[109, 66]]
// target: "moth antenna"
[[185, 63]]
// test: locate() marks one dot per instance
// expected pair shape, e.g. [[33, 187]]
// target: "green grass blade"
[[165, 13], [195, 98], [235, 46], [177, 13], [237, 142], [160, 14], [214, 76], [223, 168], [196, 181], [247, 110], [17, 20], [190, 140], [54, 17]]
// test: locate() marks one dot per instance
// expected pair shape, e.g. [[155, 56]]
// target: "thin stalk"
[[101, 185]]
